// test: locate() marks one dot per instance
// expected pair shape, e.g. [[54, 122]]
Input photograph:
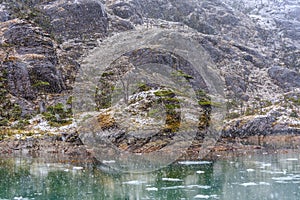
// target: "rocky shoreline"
[[59, 149]]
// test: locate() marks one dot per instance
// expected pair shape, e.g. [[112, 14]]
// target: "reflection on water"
[[250, 177]]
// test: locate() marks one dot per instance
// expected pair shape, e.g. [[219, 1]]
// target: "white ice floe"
[[77, 168], [264, 183], [273, 172], [134, 182], [194, 162], [152, 189], [201, 196], [292, 159], [263, 165], [173, 187], [186, 187], [249, 184], [20, 198], [284, 182], [171, 179], [266, 165], [285, 178], [108, 161], [198, 186]]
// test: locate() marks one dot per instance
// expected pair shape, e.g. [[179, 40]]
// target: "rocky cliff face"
[[254, 46]]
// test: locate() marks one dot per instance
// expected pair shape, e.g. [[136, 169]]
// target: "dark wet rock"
[[236, 84], [123, 10], [30, 57], [261, 125], [118, 25], [28, 39], [208, 17], [284, 77], [18, 79], [79, 19]]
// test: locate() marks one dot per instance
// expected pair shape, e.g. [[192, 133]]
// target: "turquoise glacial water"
[[257, 177]]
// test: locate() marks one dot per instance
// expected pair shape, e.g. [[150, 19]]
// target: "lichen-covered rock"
[[29, 56], [18, 79], [284, 77], [76, 19]]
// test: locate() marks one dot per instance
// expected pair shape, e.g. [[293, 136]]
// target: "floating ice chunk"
[[171, 179], [201, 196], [248, 184], [199, 186], [281, 182], [134, 182], [263, 165], [152, 189], [173, 187], [292, 159], [295, 182], [283, 178], [77, 168], [194, 162], [273, 172], [108, 161], [20, 198], [264, 183]]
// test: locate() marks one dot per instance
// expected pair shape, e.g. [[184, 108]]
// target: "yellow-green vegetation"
[[70, 100], [204, 100], [41, 85], [21, 124], [24, 134], [58, 115], [180, 73], [164, 93], [171, 104], [206, 104], [104, 74], [143, 87], [296, 101]]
